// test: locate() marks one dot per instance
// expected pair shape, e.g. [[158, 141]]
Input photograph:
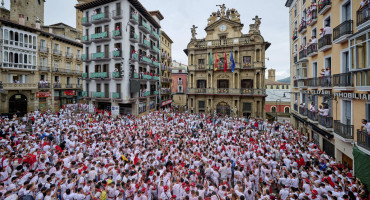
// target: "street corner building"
[[226, 69], [330, 65], [121, 44]]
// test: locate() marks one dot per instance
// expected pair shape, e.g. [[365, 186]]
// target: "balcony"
[[134, 38], [100, 56], [155, 35], [84, 76], [100, 95], [312, 115], [156, 49], [326, 121], [134, 18], [302, 83], [156, 92], [147, 77], [20, 86], [156, 64], [303, 111], [85, 21], [303, 55], [57, 85], [117, 14], [117, 55], [69, 86], [145, 27], [57, 52], [312, 50], [69, 55], [43, 49], [363, 139], [134, 57], [311, 21], [44, 85], [145, 60], [156, 78], [99, 75], [78, 86], [363, 16], [325, 42], [85, 39], [86, 57], [295, 36], [147, 93], [324, 7], [44, 69], [313, 82], [100, 18], [342, 32], [325, 81], [78, 57], [302, 27], [344, 81], [100, 37], [116, 95], [227, 91], [145, 44], [117, 34], [116, 75], [344, 131]]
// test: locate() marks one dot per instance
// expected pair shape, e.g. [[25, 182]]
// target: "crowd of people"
[[79, 153]]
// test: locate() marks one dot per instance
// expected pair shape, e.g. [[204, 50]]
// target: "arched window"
[[286, 109], [273, 109]]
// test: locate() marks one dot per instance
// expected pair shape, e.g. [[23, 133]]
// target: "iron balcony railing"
[[302, 54], [44, 68], [302, 27], [313, 18], [44, 85], [363, 15], [363, 139], [303, 111], [323, 5], [326, 121], [313, 82], [325, 81], [312, 115], [343, 80], [345, 28], [344, 130], [325, 41], [312, 49]]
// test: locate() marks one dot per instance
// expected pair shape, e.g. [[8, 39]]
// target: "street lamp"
[[277, 108]]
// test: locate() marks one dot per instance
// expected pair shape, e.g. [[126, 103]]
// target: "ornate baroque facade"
[[241, 92]]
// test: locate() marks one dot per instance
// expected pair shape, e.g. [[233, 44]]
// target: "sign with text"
[[352, 95], [43, 94], [115, 110], [69, 92], [164, 103]]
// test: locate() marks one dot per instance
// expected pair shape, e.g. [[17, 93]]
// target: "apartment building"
[[121, 55], [166, 65], [179, 76], [329, 43]]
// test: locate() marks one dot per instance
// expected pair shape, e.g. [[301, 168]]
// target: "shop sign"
[[69, 92], [115, 110], [321, 92], [43, 94], [352, 96]]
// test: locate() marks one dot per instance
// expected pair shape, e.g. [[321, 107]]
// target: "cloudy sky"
[[180, 15]]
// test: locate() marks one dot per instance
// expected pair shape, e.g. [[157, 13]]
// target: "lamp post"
[[277, 108]]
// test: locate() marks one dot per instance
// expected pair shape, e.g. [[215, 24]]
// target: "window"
[[56, 64], [42, 44], [314, 69], [287, 87], [346, 113], [273, 109], [201, 84], [282, 87], [327, 21], [314, 33], [246, 83], [286, 110], [367, 107], [222, 83], [327, 63], [78, 53], [277, 87], [68, 66], [247, 107], [295, 10], [68, 80], [201, 62], [345, 62], [201, 104], [271, 87], [78, 67], [346, 11]]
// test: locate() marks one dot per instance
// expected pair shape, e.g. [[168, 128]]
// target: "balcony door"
[[201, 84], [346, 11], [246, 83], [106, 50], [347, 113], [222, 83], [345, 62], [106, 90]]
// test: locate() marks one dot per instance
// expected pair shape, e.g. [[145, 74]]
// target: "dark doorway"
[[18, 104], [223, 108]]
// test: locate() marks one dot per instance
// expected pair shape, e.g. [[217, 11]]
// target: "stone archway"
[[223, 108], [18, 104]]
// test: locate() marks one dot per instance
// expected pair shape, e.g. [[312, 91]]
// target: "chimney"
[[21, 20], [38, 24]]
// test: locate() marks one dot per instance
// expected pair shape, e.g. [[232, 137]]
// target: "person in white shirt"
[[366, 126], [327, 30]]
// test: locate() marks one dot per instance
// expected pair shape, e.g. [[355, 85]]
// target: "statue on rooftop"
[[193, 32], [257, 23], [223, 9]]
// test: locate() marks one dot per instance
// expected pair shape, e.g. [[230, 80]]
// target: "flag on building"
[[210, 63], [225, 65], [232, 62], [216, 61]]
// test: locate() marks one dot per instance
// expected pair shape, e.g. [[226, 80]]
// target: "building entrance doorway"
[[223, 108], [18, 104]]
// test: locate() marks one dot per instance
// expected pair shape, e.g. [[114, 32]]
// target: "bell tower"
[[271, 73], [31, 10]]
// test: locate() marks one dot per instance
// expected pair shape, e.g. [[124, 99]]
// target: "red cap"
[[315, 192], [143, 189], [307, 180], [187, 189], [193, 184], [165, 188], [173, 197]]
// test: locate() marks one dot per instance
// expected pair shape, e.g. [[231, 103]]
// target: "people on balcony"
[[133, 54], [303, 105], [43, 83], [365, 126], [321, 110], [326, 78], [326, 30], [313, 40], [312, 108]]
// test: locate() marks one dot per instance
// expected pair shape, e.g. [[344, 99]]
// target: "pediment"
[[221, 21]]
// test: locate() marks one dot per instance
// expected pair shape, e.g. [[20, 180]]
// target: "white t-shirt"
[[367, 127]]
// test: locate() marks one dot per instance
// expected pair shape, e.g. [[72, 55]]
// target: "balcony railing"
[[100, 56], [44, 85], [342, 31], [69, 55], [156, 35], [302, 27], [134, 37], [312, 115], [57, 85], [325, 121], [100, 36], [324, 6], [19, 86], [134, 56], [363, 139], [229, 91], [303, 54], [85, 21], [325, 81], [84, 75], [146, 26], [312, 49], [303, 111], [134, 18], [44, 68], [116, 95], [116, 34], [101, 17], [43, 49], [86, 39], [363, 15], [313, 18], [343, 80], [325, 42], [99, 75], [99, 95], [313, 82], [147, 60], [86, 57], [69, 86], [57, 52], [117, 54], [116, 75], [343, 130]]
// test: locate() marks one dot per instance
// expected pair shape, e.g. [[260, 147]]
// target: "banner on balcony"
[[69, 92], [165, 103], [43, 94]]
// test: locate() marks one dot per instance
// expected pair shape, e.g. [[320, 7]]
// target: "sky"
[[180, 15]]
